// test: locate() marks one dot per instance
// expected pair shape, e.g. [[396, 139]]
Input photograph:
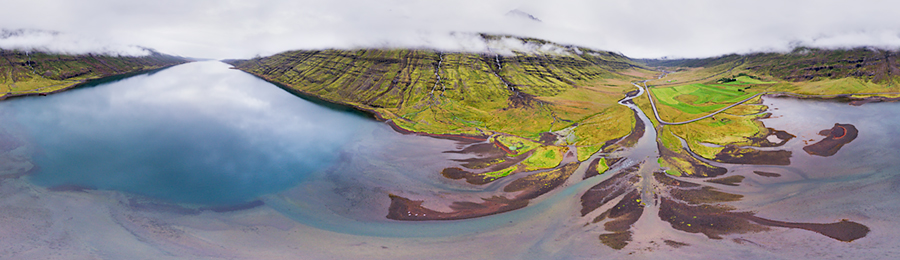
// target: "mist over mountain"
[[639, 29], [62, 43]]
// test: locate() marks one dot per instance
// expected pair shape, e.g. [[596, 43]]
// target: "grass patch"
[[585, 152], [517, 144], [611, 123], [722, 129], [602, 166], [500, 174], [745, 79], [698, 98], [673, 173], [544, 157]]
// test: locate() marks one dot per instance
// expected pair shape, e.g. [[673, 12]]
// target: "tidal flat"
[[202, 162]]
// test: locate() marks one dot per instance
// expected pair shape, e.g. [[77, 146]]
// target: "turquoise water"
[[204, 134], [195, 133]]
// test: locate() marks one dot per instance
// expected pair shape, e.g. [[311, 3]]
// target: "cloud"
[[55, 42], [637, 28]]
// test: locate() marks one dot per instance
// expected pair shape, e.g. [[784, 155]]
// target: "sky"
[[222, 29]]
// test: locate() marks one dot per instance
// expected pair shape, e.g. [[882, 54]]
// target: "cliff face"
[[28, 73]]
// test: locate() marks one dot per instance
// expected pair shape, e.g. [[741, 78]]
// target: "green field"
[[699, 98], [745, 80], [545, 157]]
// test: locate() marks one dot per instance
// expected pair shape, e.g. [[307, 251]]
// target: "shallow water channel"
[[204, 162]]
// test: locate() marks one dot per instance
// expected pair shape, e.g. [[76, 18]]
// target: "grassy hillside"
[[697, 87], [549, 100], [534, 103], [26, 73], [526, 94]]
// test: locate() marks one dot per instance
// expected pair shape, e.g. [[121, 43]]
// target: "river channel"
[[201, 161]]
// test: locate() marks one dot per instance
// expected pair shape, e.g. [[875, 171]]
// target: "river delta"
[[206, 162]]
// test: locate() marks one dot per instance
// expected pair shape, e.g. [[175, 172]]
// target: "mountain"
[[538, 102], [531, 93], [32, 73], [541, 96], [805, 64]]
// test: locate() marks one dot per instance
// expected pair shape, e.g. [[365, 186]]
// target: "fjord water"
[[195, 133], [204, 134]]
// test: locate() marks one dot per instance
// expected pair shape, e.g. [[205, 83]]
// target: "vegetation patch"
[[545, 157], [517, 144], [699, 98], [26, 73], [585, 152]]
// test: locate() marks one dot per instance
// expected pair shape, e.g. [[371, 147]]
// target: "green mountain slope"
[[537, 105], [525, 94], [801, 65], [28, 73], [548, 100]]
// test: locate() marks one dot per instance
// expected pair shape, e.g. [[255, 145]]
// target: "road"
[[661, 121]]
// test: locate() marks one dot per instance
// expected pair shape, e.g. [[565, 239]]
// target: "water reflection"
[[201, 133], [195, 133]]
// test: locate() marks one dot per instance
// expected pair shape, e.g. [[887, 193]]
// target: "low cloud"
[[640, 29], [55, 42]]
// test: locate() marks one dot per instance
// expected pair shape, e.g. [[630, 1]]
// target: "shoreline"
[[84, 82], [843, 98], [371, 113]]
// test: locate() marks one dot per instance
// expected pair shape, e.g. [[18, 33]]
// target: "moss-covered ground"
[[520, 98], [24, 73], [695, 88]]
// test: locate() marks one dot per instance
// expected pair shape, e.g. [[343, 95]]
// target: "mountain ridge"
[[38, 73], [566, 101]]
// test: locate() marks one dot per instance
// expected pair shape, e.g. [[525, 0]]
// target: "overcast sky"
[[637, 28]]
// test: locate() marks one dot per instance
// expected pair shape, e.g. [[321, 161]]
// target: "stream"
[[200, 161]]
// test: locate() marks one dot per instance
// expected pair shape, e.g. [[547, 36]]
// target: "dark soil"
[[675, 244], [609, 189], [406, 209], [622, 216], [764, 141], [844, 230], [737, 155], [528, 188], [697, 168], [767, 174], [730, 180], [835, 138], [866, 100], [616, 240]]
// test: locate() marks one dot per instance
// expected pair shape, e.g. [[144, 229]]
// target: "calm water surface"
[[194, 133], [206, 135]]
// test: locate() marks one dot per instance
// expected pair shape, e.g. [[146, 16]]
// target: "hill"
[[32, 73], [543, 98], [550, 97]]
